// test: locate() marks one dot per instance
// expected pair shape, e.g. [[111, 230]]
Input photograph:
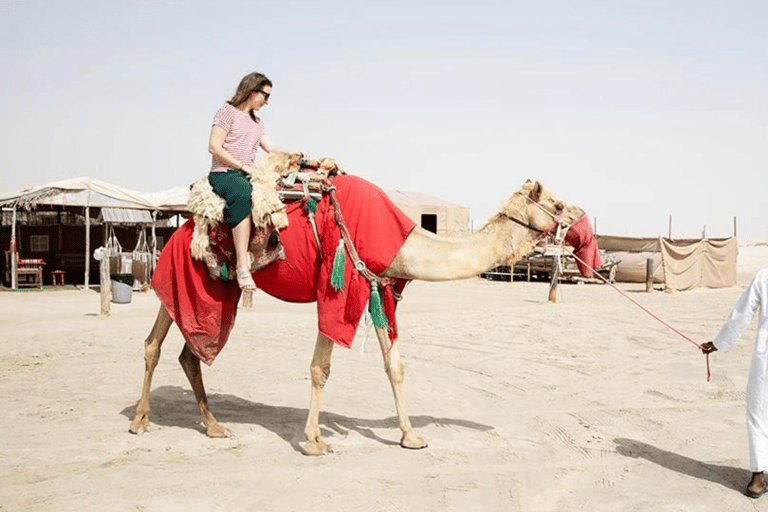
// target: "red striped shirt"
[[243, 135]]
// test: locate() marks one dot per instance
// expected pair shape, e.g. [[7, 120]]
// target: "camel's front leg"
[[319, 370], [151, 356], [191, 365], [394, 368]]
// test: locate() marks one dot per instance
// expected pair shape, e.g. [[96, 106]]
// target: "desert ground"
[[587, 404]]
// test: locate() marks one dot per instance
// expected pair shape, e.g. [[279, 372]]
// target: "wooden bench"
[[29, 267]]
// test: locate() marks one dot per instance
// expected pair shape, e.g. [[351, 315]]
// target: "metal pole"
[[670, 227], [14, 263]]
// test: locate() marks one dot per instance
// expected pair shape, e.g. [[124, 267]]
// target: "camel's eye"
[[559, 207]]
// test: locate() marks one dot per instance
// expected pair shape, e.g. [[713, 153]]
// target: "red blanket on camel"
[[205, 309]]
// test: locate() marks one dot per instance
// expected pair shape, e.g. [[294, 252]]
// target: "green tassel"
[[374, 306], [224, 271], [339, 262], [311, 205]]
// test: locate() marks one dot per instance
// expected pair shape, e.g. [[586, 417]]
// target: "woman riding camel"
[[236, 135]]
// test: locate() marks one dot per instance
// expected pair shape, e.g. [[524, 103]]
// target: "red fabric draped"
[[378, 229], [205, 309], [581, 237]]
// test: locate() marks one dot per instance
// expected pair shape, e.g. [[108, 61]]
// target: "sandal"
[[245, 280]]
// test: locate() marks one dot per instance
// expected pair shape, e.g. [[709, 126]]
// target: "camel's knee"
[[320, 374], [151, 351], [395, 371]]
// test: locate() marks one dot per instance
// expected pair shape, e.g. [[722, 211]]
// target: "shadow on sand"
[[173, 406], [727, 476]]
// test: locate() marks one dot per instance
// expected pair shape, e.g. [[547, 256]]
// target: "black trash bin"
[[122, 288]]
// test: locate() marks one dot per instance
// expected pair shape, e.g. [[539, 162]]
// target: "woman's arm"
[[270, 147], [216, 148]]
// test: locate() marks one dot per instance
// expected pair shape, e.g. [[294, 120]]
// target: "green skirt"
[[235, 188]]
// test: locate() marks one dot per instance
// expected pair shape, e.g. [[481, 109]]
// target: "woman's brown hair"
[[250, 83]]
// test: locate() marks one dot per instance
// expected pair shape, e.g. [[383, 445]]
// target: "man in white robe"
[[753, 300]]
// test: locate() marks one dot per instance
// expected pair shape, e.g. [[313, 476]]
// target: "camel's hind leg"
[[191, 365], [151, 356], [394, 368], [320, 369]]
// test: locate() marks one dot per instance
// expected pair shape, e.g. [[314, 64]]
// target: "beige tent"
[[431, 213], [679, 264]]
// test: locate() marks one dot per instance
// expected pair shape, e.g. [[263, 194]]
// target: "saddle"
[[279, 179]]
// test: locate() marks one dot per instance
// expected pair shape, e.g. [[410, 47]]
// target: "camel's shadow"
[[727, 476], [173, 406]]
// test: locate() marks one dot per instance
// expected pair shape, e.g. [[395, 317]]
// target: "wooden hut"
[[433, 214], [60, 224]]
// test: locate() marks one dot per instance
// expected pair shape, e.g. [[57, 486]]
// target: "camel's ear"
[[526, 188], [535, 194]]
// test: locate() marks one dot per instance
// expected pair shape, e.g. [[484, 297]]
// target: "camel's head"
[[535, 206]]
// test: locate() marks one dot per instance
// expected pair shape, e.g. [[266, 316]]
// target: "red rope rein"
[[651, 313]]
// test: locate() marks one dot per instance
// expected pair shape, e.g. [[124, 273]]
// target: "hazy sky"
[[634, 110]]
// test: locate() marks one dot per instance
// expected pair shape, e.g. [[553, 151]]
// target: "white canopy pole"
[[151, 270], [87, 239]]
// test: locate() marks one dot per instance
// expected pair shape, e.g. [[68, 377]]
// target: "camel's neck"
[[429, 257]]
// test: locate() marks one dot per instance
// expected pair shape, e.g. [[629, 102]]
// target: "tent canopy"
[[95, 193]]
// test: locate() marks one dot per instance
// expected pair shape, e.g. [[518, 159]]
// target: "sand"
[[588, 404]]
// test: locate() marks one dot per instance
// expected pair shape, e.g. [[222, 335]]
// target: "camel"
[[506, 237]]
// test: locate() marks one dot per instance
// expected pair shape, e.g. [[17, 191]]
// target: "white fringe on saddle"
[[207, 207]]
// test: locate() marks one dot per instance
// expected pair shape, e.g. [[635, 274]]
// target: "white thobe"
[[754, 299]]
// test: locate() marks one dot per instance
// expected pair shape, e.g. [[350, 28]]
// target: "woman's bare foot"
[[245, 280]]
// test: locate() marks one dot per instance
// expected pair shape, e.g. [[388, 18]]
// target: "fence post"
[[102, 255], [649, 275], [555, 278]]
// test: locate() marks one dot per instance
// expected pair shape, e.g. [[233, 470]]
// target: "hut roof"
[[418, 199], [90, 192]]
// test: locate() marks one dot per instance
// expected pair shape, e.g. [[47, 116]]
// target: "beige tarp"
[[679, 264], [632, 254], [692, 263]]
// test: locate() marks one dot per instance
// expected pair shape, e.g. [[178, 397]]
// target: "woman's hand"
[[708, 347]]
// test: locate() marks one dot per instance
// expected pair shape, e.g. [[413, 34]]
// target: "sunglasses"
[[265, 94]]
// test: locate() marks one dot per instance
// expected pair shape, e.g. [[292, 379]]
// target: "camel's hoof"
[[216, 431], [315, 447], [139, 424], [412, 442]]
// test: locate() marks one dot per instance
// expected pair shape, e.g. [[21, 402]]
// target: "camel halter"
[[561, 226]]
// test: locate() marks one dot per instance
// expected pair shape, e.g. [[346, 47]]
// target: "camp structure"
[[54, 228], [433, 214], [680, 264]]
